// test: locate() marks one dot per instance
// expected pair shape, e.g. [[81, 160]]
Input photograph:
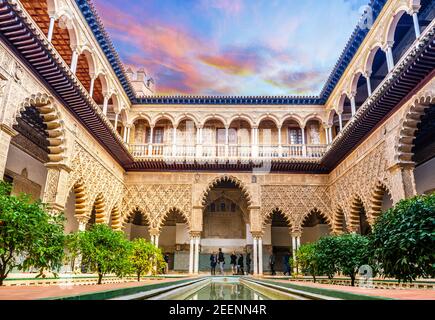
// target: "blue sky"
[[232, 47]]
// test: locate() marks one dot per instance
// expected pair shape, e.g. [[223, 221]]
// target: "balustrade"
[[219, 151]]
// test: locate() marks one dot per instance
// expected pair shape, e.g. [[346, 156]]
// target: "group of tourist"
[[237, 263]]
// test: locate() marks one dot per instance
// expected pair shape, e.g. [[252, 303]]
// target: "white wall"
[[18, 160], [139, 232], [167, 236], [281, 237], [182, 234], [425, 176], [71, 224], [314, 233]]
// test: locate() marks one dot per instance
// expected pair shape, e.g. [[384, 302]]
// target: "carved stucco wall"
[[96, 179], [155, 201], [295, 202]]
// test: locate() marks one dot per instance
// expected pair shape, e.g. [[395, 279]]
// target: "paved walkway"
[[402, 294], [39, 292]]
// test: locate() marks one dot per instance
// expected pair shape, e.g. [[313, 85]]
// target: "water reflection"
[[226, 291]]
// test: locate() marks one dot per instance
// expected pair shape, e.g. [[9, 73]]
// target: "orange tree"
[[29, 236]]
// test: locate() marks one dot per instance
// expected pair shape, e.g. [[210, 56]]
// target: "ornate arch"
[[162, 116], [226, 178], [312, 116], [304, 218], [270, 214], [368, 64], [162, 219], [294, 117], [354, 82], [339, 223], [81, 199], [376, 199], [408, 126], [270, 117], [244, 117], [99, 204], [186, 116], [141, 211], [155, 200], [116, 218], [52, 119], [354, 214], [213, 117], [391, 27], [139, 117]]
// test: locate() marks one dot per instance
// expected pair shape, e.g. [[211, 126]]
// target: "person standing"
[[240, 270], [233, 262], [166, 257], [221, 261], [213, 263], [287, 264], [248, 262], [272, 263]]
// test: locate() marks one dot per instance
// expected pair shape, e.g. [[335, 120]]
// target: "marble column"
[[340, 119], [295, 270], [191, 253], [260, 256], [416, 24], [51, 29], [74, 60], [255, 255], [389, 54], [369, 83], [353, 104], [197, 242]]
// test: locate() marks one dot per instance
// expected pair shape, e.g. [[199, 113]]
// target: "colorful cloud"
[[231, 47]]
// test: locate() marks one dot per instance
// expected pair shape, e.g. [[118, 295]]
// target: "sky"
[[232, 47]]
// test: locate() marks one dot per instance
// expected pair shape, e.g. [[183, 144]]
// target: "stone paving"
[[49, 291], [402, 294]]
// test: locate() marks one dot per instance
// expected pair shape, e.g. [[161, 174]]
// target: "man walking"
[[221, 261], [233, 262]]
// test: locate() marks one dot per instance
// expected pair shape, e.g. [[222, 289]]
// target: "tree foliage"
[[403, 239], [29, 236], [352, 252], [326, 252], [145, 258], [105, 251], [306, 258]]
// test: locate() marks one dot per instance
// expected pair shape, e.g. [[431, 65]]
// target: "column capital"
[[154, 231], [388, 45], [82, 219], [415, 8], [367, 74], [195, 234], [257, 234], [296, 234]]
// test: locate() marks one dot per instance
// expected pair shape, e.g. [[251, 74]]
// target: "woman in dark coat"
[[213, 263]]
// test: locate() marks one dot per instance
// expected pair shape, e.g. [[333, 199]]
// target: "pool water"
[[220, 290]]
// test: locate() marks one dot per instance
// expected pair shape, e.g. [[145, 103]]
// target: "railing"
[[221, 151]]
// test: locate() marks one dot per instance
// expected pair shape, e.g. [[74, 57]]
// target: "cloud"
[[223, 47], [229, 7], [302, 82]]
